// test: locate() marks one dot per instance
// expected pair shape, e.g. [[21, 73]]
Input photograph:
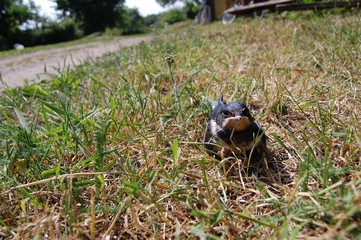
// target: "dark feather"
[[231, 130]]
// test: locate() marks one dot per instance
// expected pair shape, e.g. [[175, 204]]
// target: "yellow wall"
[[220, 6]]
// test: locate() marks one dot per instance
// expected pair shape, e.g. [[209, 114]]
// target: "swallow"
[[232, 131]]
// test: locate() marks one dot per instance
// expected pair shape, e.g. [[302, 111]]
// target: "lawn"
[[114, 148]]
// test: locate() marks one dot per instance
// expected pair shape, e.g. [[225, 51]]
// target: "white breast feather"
[[215, 128]]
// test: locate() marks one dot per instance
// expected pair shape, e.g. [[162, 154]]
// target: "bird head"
[[233, 116]]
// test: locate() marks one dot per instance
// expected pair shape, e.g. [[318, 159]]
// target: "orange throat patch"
[[236, 124]]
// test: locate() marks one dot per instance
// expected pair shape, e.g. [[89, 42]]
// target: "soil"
[[41, 65]]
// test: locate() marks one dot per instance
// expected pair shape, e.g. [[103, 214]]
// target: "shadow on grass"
[[273, 168]]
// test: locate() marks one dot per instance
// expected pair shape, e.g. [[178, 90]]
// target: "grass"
[[114, 147]]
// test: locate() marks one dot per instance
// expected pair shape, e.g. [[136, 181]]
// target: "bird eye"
[[226, 112]]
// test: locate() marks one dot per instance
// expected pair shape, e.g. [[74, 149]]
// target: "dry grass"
[[114, 149]]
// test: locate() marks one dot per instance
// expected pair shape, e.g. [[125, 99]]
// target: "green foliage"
[[166, 2], [186, 2], [55, 32], [172, 16], [13, 13], [129, 21], [192, 7], [151, 20], [39, 31], [80, 18], [93, 16]]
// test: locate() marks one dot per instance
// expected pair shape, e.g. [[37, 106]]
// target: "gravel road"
[[35, 66]]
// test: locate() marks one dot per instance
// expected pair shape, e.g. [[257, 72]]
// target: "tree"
[[172, 16], [164, 3], [13, 14], [93, 15], [190, 8], [130, 21]]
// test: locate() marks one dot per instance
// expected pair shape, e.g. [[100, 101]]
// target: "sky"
[[145, 7]]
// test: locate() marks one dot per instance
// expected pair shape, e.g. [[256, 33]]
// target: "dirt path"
[[32, 67]]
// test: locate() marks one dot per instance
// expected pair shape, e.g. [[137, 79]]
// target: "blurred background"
[[40, 22]]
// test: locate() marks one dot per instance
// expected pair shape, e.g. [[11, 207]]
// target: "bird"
[[232, 131]]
